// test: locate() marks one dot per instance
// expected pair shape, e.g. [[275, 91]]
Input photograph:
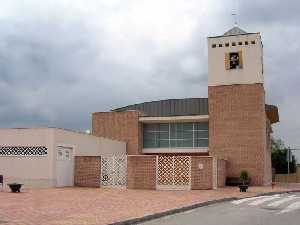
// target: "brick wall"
[[221, 173], [201, 178], [123, 126], [237, 129], [141, 172], [87, 171]]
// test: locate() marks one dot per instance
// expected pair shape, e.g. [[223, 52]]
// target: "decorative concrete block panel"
[[23, 151]]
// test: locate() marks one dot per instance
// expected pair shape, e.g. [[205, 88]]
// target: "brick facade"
[[201, 178], [221, 173], [87, 171], [141, 172], [237, 130], [123, 126]]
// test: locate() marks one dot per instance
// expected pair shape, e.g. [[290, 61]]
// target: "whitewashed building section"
[[44, 157]]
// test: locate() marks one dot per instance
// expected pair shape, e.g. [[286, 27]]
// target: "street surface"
[[283, 209]]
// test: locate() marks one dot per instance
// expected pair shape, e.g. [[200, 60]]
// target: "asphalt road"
[[281, 209]]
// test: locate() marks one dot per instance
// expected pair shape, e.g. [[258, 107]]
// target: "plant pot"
[[243, 187], [15, 187]]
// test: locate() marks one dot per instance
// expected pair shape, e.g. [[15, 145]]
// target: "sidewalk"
[[87, 206]]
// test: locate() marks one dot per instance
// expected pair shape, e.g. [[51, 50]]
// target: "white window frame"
[[199, 149], [70, 148]]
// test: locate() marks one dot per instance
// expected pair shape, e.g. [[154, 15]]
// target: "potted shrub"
[[243, 177], [15, 187]]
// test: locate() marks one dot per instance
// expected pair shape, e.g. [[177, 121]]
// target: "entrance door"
[[113, 171], [64, 166], [173, 173]]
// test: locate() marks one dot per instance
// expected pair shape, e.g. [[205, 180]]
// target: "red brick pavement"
[[91, 206]]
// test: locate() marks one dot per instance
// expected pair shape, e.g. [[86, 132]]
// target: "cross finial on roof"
[[234, 15]]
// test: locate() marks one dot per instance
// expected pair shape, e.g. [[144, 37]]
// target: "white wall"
[[88, 145], [30, 170], [252, 60], [41, 171], [110, 147], [83, 145]]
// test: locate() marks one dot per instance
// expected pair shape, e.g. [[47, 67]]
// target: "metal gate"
[[173, 172], [113, 171]]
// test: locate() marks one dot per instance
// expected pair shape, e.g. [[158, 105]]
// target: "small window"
[[220, 45], [246, 42], [253, 42], [233, 44], [59, 154], [214, 45], [67, 155], [227, 44], [234, 60], [240, 43]]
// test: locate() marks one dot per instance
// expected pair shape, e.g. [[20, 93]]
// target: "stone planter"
[[243, 187], [15, 187]]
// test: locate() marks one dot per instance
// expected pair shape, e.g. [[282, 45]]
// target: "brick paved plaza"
[[89, 206]]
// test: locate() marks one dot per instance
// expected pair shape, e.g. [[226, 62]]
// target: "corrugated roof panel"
[[171, 107], [184, 107]]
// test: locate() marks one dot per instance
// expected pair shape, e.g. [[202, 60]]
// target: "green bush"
[[244, 176]]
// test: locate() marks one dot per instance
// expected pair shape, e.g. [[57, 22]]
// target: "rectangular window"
[[67, 155], [233, 44], [226, 44], [59, 154], [253, 42], [176, 135], [246, 42], [214, 45], [201, 135], [220, 45], [233, 60], [240, 43]]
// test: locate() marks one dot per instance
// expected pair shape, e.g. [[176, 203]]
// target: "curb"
[[277, 192], [190, 207], [171, 212]]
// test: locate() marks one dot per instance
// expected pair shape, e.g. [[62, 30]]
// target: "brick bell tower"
[[236, 100]]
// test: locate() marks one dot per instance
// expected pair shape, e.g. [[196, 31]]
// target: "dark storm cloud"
[[62, 61], [41, 63]]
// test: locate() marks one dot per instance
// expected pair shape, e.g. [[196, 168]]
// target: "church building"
[[172, 144], [196, 143]]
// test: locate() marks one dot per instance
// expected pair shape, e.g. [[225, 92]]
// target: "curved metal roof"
[[184, 107], [171, 107], [272, 113]]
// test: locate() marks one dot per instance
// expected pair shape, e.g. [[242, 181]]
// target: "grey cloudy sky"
[[61, 60]]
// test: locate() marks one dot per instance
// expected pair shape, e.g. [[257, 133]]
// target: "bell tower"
[[235, 58], [236, 100]]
